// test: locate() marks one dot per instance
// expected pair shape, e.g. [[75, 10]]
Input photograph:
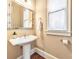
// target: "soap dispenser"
[[14, 34]]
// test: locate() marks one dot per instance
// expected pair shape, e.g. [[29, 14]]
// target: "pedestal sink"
[[24, 41]]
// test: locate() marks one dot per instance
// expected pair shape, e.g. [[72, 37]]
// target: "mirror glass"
[[18, 16], [27, 18]]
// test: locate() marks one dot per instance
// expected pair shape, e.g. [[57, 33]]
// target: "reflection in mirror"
[[27, 18], [18, 16]]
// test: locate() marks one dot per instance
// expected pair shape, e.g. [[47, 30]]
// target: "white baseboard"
[[33, 51], [45, 54], [42, 53], [20, 57]]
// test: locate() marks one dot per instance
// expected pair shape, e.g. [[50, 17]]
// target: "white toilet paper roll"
[[65, 42]]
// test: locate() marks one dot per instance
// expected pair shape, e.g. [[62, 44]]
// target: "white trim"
[[33, 51], [42, 53], [45, 54], [20, 57], [60, 34], [69, 21]]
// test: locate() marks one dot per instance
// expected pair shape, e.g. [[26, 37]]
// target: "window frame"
[[58, 32]]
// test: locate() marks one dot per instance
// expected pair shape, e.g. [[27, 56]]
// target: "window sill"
[[58, 33]]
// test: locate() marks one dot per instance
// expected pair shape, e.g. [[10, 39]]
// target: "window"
[[57, 15], [27, 19]]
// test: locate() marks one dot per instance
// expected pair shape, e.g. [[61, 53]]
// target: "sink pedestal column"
[[26, 51]]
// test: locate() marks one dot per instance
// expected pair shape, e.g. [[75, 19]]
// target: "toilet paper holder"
[[65, 41]]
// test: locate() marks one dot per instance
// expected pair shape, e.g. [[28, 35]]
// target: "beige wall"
[[51, 43]]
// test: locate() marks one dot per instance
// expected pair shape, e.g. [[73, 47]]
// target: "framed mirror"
[[19, 17]]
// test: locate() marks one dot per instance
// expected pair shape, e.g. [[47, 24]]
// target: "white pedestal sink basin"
[[24, 41]]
